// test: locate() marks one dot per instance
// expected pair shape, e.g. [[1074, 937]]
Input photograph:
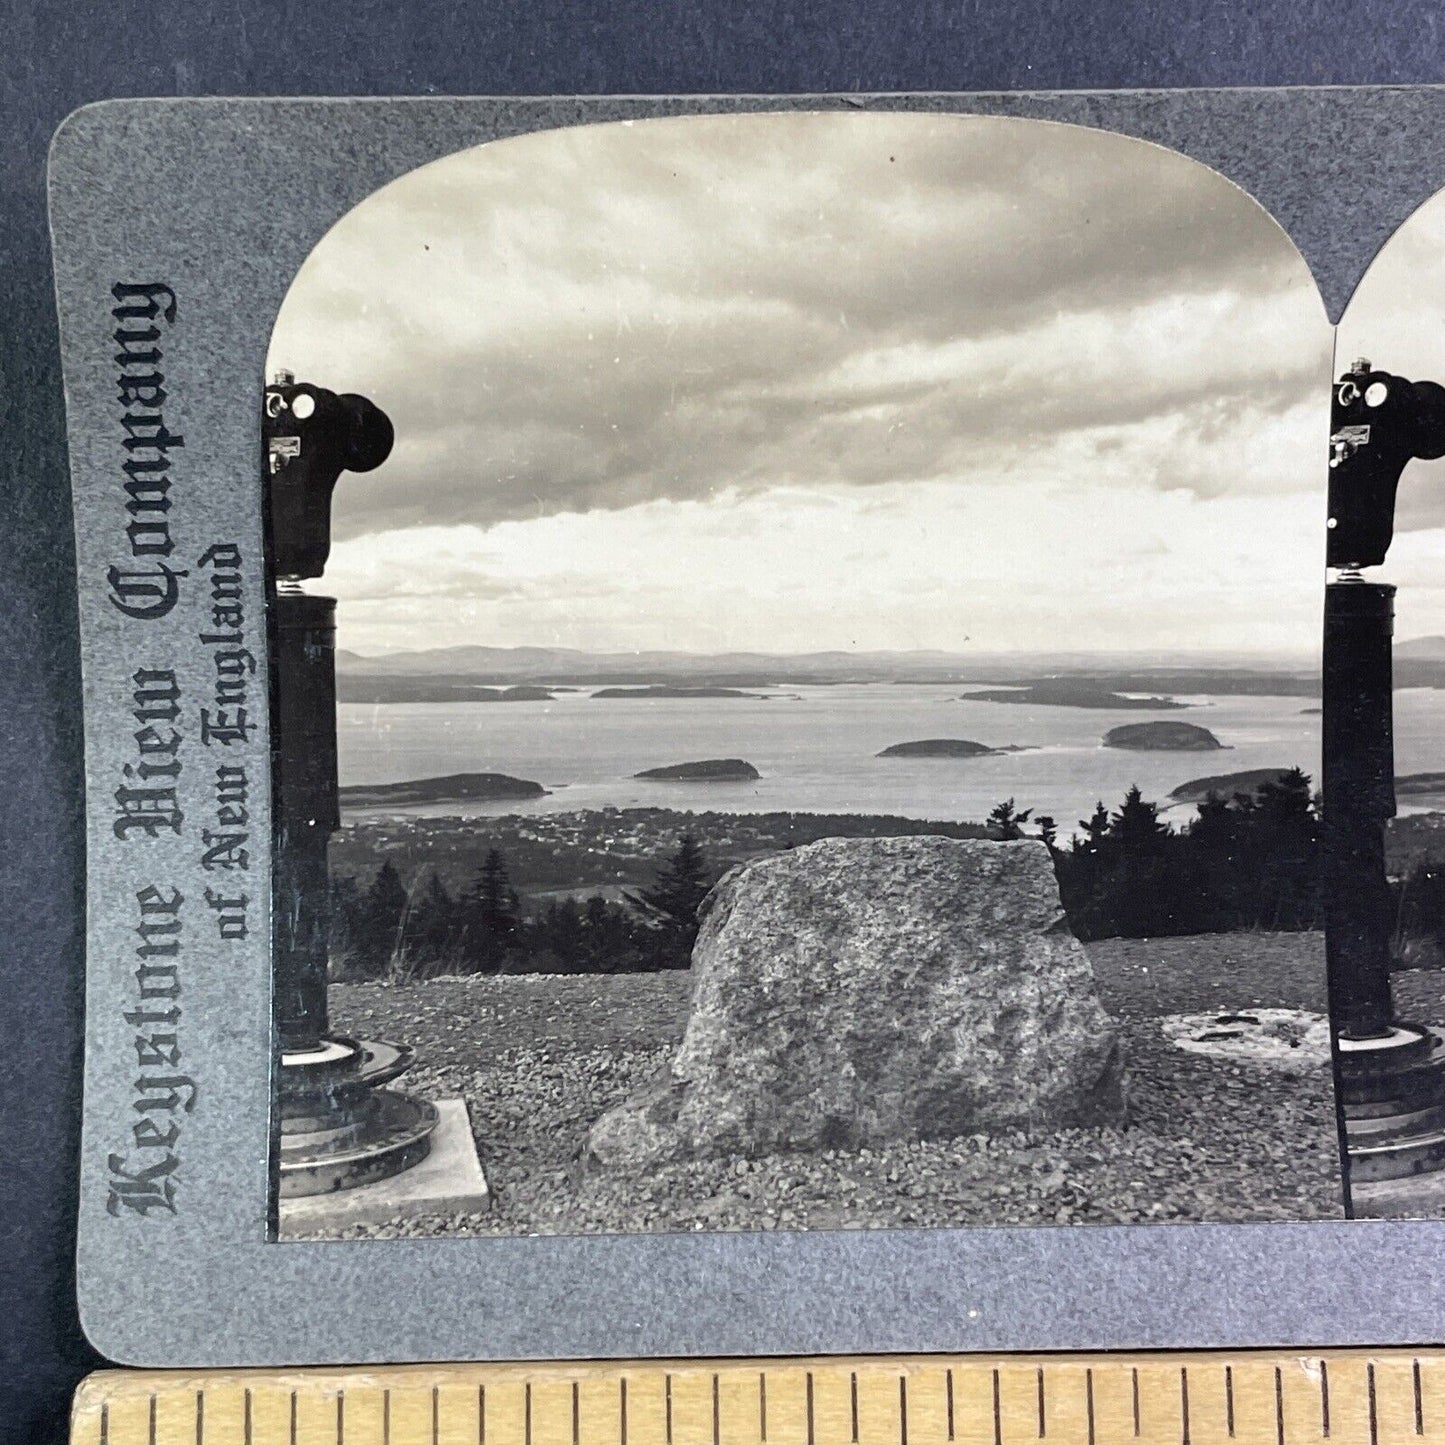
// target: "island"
[[526, 692], [373, 690], [453, 788], [668, 690], [1165, 737], [1228, 785], [945, 748], [1068, 692], [710, 770]]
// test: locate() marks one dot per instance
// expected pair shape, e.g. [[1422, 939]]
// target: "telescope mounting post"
[[1390, 1073]]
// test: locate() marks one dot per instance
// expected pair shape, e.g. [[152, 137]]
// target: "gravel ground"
[[538, 1059], [1420, 995]]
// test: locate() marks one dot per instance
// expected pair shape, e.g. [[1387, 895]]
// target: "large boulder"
[[856, 992]]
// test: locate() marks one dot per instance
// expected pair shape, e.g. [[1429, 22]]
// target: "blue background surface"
[[61, 56]]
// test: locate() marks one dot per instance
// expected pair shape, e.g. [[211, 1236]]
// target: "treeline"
[[1420, 917], [1252, 861], [1249, 862], [388, 930]]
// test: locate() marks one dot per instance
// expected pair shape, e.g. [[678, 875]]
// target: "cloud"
[[604, 316], [1025, 563]]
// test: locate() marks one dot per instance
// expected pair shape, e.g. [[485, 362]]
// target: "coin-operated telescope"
[[1391, 1073], [339, 1128], [1379, 423], [313, 435]]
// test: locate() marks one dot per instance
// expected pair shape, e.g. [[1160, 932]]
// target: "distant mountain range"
[[1127, 672], [553, 662], [1422, 649]]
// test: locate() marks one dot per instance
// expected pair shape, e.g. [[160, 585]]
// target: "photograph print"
[[797, 689]]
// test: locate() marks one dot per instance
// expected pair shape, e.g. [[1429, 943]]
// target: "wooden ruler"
[[1354, 1397]]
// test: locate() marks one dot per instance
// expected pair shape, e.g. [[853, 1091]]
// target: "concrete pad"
[[448, 1181], [1292, 1040]]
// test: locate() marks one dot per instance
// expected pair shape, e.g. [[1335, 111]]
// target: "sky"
[[1396, 320], [812, 381]]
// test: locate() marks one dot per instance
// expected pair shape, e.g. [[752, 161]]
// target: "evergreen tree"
[[674, 901], [492, 898], [1096, 829], [606, 937], [1136, 826], [489, 917], [1248, 862], [1420, 917], [1048, 831], [347, 930], [431, 930], [385, 910], [680, 886], [556, 938], [1006, 822]]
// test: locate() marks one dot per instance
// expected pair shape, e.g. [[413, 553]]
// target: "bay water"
[[816, 749]]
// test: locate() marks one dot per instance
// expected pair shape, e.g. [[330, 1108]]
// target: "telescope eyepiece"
[[369, 433]]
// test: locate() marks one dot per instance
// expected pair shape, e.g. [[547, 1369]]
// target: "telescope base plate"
[[346, 1139], [1392, 1091], [448, 1181]]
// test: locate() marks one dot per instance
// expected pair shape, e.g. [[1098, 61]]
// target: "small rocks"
[[539, 1060]]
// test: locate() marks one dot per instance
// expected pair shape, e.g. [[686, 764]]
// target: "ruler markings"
[[788, 1403], [737, 1407], [1208, 1419], [1395, 1401], [1343, 1398]]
